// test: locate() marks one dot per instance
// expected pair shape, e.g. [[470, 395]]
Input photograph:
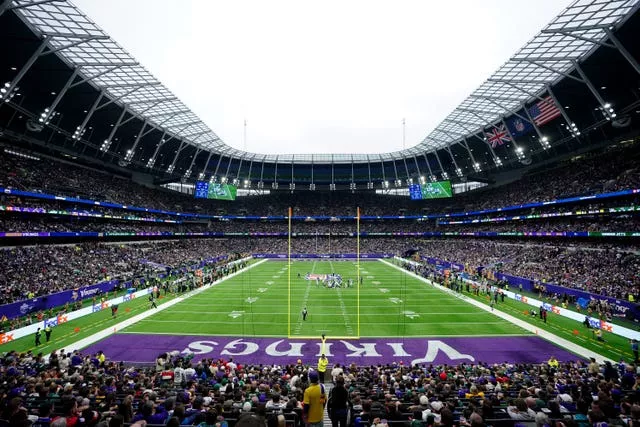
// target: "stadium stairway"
[[327, 390]]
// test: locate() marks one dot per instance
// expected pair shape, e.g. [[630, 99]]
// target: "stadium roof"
[[550, 56]]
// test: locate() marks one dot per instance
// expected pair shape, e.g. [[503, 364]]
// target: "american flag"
[[497, 136], [544, 111]]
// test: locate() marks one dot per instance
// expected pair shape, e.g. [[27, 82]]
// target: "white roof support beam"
[[183, 145], [426, 159], [453, 158], [132, 151], [6, 4], [27, 66], [95, 76], [369, 168], [107, 143], [202, 174], [251, 168], [442, 171], [92, 110], [161, 142], [553, 70], [146, 101], [415, 160], [406, 168], [384, 175], [82, 39], [476, 113], [193, 160], [623, 51], [159, 125], [590, 85], [262, 171], [464, 144], [215, 172], [395, 170], [63, 91], [481, 138], [118, 98], [135, 115], [238, 172], [563, 111]]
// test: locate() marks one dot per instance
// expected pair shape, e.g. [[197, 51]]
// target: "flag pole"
[[245, 135]]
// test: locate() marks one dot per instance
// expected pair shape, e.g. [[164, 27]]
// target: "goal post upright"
[[289, 275], [358, 269]]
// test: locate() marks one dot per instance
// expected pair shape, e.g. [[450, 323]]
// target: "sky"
[[325, 76]]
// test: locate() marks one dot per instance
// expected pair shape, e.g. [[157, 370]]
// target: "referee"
[[304, 313]]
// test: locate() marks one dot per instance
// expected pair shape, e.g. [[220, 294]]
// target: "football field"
[[255, 315], [392, 304]]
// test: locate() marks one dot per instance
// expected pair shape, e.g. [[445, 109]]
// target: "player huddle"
[[332, 280]]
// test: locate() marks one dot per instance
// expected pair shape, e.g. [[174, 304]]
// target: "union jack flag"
[[497, 136]]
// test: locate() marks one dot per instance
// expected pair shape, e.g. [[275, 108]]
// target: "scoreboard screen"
[[430, 190], [214, 190]]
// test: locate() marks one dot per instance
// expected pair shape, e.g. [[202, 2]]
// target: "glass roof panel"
[[571, 35]]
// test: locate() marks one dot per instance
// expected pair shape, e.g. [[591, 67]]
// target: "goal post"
[[358, 270], [289, 274]]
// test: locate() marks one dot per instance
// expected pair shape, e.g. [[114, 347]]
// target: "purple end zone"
[[145, 348]]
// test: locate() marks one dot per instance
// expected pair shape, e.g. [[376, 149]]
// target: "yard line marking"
[[343, 309], [305, 300], [392, 315], [561, 342], [87, 341], [226, 322]]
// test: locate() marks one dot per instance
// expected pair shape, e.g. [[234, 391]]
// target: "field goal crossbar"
[[289, 335]]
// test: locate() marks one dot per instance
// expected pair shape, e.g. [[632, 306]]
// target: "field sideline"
[[254, 304]]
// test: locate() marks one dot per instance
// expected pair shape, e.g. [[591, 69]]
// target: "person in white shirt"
[[64, 362], [189, 373], [178, 374], [275, 404], [336, 372]]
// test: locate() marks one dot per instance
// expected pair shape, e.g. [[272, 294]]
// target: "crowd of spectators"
[[596, 172], [83, 390], [30, 271], [612, 271], [37, 270], [40, 223]]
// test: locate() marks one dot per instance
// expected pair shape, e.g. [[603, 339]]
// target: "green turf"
[[75, 330], [615, 347], [393, 303]]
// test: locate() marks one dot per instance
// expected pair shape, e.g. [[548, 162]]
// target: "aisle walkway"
[[327, 390]]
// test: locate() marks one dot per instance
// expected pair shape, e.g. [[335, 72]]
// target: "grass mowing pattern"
[[392, 304], [439, 314]]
